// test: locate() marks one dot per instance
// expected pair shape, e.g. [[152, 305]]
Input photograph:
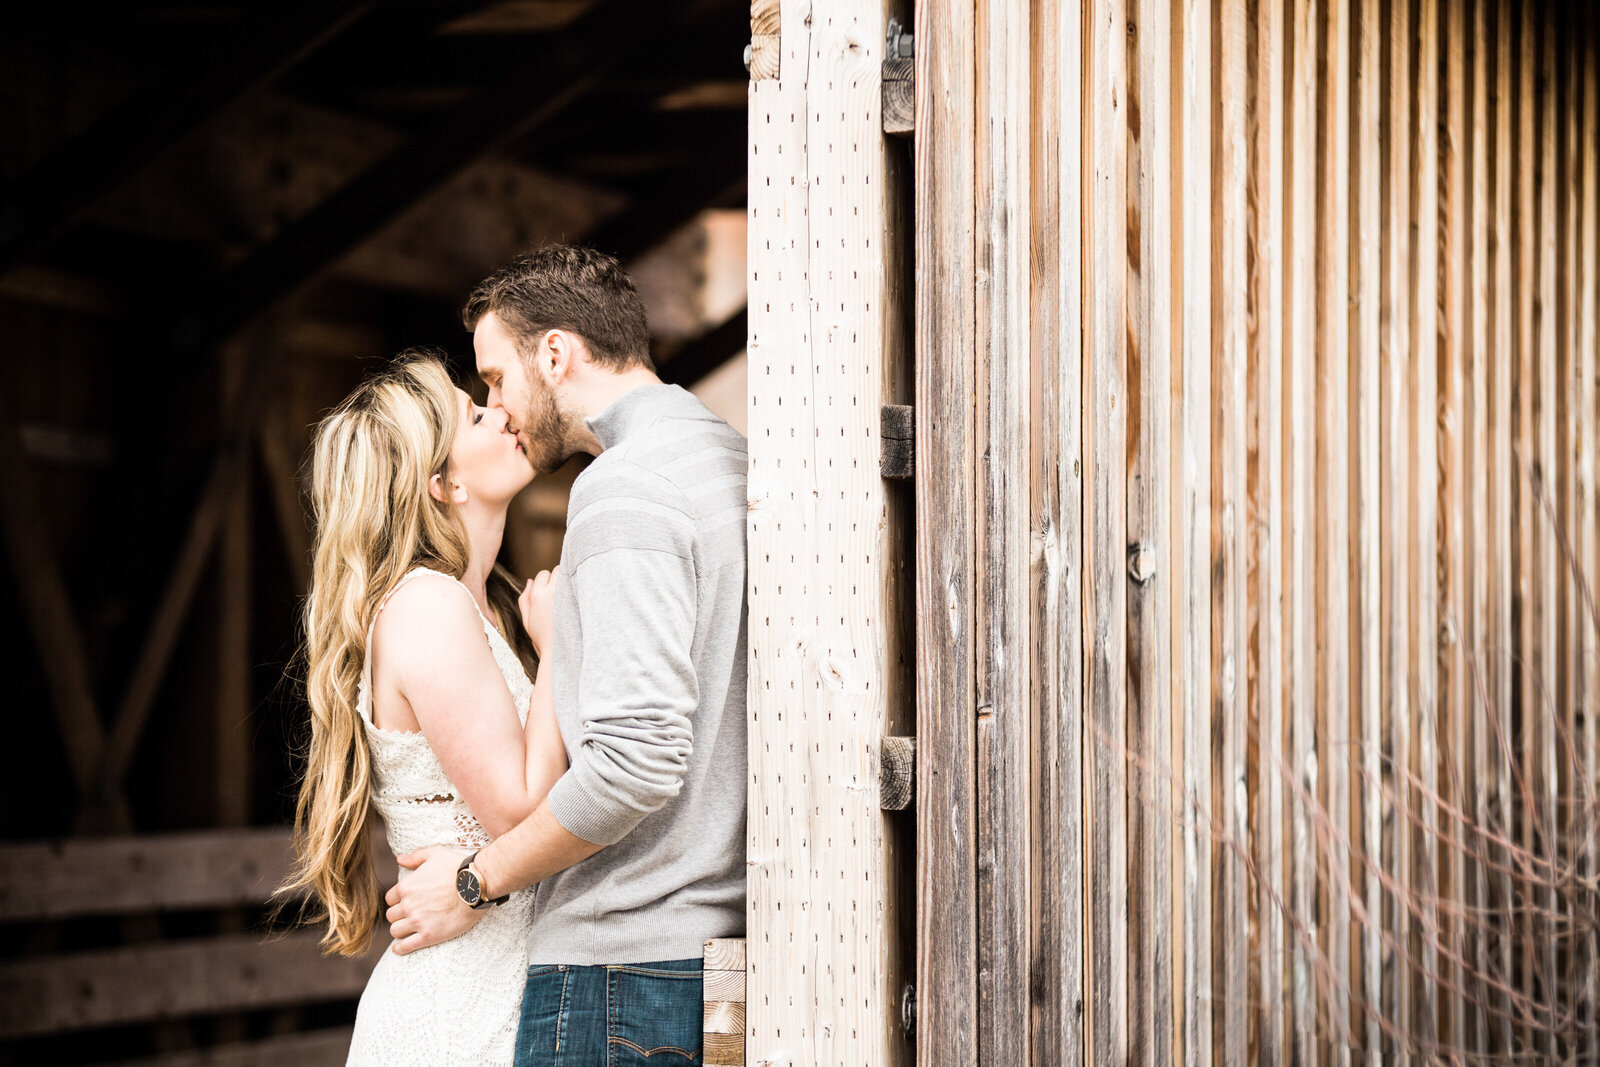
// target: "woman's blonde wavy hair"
[[371, 461]]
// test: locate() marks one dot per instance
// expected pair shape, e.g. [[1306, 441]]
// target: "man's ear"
[[562, 351]]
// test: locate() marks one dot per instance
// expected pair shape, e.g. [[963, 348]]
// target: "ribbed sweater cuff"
[[584, 815]]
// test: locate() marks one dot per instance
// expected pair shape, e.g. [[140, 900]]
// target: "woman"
[[420, 706]]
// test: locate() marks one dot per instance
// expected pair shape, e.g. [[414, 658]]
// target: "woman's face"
[[486, 460]]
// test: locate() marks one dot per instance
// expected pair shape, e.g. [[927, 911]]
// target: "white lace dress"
[[459, 1002]]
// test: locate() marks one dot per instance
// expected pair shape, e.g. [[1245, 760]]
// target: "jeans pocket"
[[541, 1033], [656, 1017]]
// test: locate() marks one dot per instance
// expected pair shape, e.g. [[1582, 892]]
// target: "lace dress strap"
[[364, 701]]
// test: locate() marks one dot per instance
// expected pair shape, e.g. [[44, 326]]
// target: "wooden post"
[[825, 985]]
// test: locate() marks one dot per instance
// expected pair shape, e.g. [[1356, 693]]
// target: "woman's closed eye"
[[477, 416]]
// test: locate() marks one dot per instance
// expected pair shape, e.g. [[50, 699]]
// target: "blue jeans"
[[617, 1015]]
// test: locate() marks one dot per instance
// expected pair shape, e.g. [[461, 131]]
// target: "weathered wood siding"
[[1257, 398]]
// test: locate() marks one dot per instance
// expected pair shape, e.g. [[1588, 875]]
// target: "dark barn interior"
[[215, 218]]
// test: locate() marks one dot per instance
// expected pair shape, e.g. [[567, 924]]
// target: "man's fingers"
[[396, 912], [410, 861], [408, 945], [392, 896], [403, 929]]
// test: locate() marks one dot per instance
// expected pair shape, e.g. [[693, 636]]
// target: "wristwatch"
[[470, 887]]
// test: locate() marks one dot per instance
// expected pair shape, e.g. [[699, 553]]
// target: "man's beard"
[[545, 429]]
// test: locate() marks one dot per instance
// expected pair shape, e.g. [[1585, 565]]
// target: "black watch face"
[[467, 886]]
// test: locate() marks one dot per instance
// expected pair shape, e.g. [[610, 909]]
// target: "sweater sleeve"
[[633, 579]]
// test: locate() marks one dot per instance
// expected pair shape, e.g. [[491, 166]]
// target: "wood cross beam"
[[709, 351], [56, 192], [649, 221], [558, 73]]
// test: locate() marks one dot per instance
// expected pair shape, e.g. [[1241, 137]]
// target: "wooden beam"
[[166, 625], [649, 221], [327, 1047], [827, 973], [51, 622], [57, 191], [128, 875], [724, 1014], [174, 980], [562, 71], [705, 354]]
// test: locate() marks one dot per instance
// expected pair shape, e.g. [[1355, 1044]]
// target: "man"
[[638, 850]]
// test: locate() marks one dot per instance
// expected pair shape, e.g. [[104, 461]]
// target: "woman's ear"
[[437, 490]]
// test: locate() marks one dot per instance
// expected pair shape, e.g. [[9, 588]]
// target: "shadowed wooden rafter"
[[56, 192]]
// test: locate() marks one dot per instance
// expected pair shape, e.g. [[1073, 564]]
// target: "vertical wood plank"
[[945, 384], [1525, 609], [1229, 522], [1478, 534], [1570, 434], [1587, 509], [1300, 475], [1191, 514], [1149, 663], [1056, 333], [1450, 385], [1267, 534], [1395, 490], [1104, 519], [1424, 511], [1499, 640], [1366, 589], [1541, 656], [1003, 529], [1333, 551]]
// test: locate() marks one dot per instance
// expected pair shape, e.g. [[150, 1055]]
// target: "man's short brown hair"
[[567, 287]]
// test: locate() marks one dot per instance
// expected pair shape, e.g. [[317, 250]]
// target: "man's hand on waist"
[[424, 907]]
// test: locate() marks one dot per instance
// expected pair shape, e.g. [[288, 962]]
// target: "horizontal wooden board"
[[166, 872], [315, 1048], [173, 980], [121, 875]]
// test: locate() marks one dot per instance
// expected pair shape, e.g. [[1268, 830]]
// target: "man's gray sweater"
[[650, 689]]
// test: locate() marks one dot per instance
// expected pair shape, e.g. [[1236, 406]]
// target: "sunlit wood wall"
[[1256, 408]]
